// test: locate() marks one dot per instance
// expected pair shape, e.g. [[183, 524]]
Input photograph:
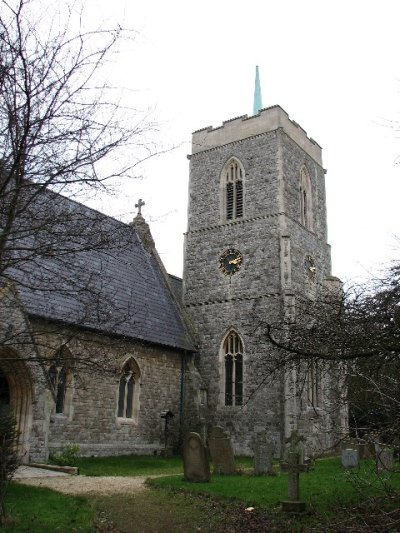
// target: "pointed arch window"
[[233, 369], [128, 391], [232, 184], [60, 377], [305, 200], [313, 384]]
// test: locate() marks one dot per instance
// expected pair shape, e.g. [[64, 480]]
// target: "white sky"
[[332, 65]]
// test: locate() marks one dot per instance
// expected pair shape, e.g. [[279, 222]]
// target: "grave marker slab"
[[195, 460], [385, 459], [350, 458], [221, 451], [263, 454]]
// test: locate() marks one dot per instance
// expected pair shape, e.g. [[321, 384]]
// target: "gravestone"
[[263, 454], [219, 444], [195, 460], [384, 459], [350, 458], [293, 466]]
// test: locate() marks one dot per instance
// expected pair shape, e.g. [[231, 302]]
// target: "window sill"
[[126, 422]]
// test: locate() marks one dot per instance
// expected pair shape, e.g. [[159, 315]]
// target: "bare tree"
[[62, 130], [58, 124], [352, 337]]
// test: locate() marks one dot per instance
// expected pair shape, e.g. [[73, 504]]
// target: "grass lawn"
[[172, 505], [139, 465], [327, 488], [36, 510]]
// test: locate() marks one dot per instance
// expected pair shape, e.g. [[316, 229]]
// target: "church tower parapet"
[[239, 128]]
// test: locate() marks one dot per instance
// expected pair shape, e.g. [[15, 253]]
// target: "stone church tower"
[[256, 238]]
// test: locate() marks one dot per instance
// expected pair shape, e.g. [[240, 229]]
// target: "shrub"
[[9, 459], [67, 457]]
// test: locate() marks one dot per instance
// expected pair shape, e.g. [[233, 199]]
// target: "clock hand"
[[234, 261]]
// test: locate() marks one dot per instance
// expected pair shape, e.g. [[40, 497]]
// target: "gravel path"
[[88, 485]]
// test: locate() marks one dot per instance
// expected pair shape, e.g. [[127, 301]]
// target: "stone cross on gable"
[[139, 206]]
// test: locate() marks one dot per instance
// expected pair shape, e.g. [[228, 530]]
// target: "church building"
[[98, 344]]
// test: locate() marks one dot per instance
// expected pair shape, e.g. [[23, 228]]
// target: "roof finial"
[[139, 206], [257, 94]]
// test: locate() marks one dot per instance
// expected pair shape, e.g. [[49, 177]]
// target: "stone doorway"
[[16, 396]]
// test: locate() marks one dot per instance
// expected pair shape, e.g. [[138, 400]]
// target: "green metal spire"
[[257, 94]]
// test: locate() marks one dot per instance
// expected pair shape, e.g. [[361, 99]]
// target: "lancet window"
[[232, 190], [128, 391], [233, 369], [60, 377], [305, 199]]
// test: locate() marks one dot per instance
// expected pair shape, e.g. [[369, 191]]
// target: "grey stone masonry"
[[272, 152]]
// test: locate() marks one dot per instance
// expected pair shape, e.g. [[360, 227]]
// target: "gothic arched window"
[[232, 190], [128, 391], [60, 377], [232, 352], [313, 384], [305, 193]]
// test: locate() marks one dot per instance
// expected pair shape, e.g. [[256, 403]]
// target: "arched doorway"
[[16, 395]]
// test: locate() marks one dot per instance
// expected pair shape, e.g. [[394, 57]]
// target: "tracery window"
[[128, 391], [305, 200], [233, 369], [232, 190]]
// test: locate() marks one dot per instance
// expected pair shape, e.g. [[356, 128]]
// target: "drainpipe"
[[182, 399]]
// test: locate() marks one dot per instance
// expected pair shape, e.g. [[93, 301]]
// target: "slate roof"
[[85, 269]]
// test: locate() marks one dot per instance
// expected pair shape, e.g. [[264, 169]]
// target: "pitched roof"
[[88, 270]]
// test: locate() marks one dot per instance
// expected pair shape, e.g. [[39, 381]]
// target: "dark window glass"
[[61, 388], [228, 379], [239, 379], [129, 397], [121, 397]]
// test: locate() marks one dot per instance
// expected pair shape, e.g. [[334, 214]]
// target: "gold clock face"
[[309, 267], [230, 261]]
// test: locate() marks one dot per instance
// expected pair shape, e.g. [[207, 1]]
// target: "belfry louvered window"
[[233, 190], [233, 369]]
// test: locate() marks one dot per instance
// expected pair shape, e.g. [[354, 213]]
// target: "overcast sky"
[[332, 65]]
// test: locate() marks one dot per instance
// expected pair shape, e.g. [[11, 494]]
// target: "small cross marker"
[[139, 206]]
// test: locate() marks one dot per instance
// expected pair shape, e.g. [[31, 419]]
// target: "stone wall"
[[273, 244], [91, 421]]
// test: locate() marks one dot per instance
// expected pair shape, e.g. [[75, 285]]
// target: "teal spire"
[[257, 94]]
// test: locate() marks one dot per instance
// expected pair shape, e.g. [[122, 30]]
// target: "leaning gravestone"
[[384, 459], [263, 454], [221, 451], [195, 460], [350, 458]]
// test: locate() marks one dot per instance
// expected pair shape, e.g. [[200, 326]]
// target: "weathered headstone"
[[263, 454], [384, 459], [195, 460], [293, 467], [219, 444], [350, 458]]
